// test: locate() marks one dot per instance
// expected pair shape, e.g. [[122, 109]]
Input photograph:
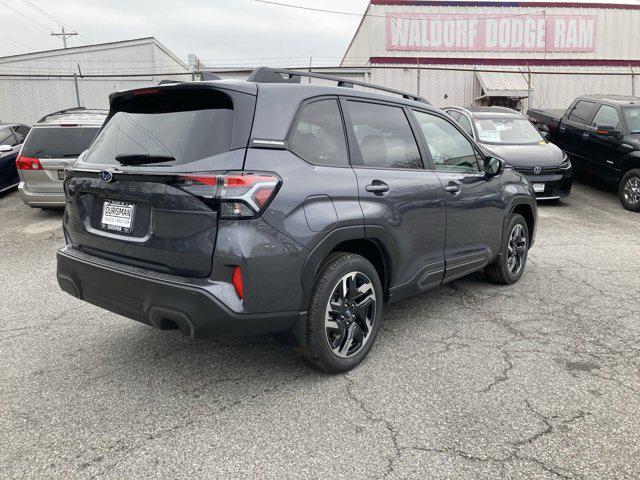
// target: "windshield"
[[58, 142], [632, 116], [507, 131], [169, 128]]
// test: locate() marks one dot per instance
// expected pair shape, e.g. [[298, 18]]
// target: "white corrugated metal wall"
[[31, 85]]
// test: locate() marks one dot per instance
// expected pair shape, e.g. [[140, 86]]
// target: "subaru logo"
[[106, 176], [537, 170]]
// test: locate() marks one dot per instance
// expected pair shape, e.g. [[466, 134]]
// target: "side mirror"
[[492, 166], [5, 148], [608, 131]]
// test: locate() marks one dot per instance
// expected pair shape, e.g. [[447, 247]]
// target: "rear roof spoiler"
[[277, 75], [60, 112]]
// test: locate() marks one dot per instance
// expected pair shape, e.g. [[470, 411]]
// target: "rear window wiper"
[[142, 159]]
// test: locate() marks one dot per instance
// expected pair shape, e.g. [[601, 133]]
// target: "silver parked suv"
[[52, 146]]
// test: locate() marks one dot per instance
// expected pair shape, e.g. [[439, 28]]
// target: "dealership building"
[[509, 53]]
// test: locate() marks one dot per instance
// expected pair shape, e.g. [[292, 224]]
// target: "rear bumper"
[[160, 300], [34, 199]]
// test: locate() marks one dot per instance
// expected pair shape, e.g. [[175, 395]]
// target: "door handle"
[[585, 135], [562, 128], [453, 188], [378, 187]]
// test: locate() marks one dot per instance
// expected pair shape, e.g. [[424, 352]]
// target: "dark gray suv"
[[272, 206]]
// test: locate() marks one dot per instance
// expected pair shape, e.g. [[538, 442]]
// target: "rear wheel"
[[344, 314], [508, 267], [629, 191]]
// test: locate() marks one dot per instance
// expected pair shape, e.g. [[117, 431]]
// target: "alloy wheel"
[[350, 314], [516, 249], [632, 190]]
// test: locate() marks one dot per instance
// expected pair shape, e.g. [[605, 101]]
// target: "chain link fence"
[[26, 97]]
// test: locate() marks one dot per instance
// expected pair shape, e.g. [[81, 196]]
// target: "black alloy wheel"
[[345, 312]]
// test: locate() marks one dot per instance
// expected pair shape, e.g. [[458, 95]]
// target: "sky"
[[219, 32]]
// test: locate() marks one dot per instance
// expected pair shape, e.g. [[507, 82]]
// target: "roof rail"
[[281, 75], [59, 112]]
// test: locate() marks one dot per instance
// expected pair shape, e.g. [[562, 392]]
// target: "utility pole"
[[64, 36]]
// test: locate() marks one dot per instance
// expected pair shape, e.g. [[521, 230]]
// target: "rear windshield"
[[58, 142], [177, 127]]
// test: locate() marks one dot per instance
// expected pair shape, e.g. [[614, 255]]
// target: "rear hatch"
[[144, 193], [48, 151]]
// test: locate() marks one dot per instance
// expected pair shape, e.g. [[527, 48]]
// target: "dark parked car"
[[11, 138], [263, 206], [507, 134], [601, 133]]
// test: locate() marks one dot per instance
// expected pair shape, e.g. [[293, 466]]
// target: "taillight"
[[245, 194], [146, 91], [236, 195], [28, 163]]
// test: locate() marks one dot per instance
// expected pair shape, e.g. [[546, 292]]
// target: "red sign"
[[491, 33]]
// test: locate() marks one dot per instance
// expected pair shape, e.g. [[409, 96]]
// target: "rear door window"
[[318, 136], [464, 122], [6, 137], [453, 114], [606, 116], [384, 136], [58, 142], [176, 127], [581, 112], [21, 132]]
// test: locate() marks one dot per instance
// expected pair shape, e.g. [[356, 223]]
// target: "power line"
[[372, 15], [25, 16], [16, 42], [300, 7], [45, 13], [54, 19]]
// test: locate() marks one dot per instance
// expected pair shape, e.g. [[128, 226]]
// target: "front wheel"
[[629, 191], [509, 266], [344, 313]]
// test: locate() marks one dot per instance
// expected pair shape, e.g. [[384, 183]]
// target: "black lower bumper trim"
[[160, 303]]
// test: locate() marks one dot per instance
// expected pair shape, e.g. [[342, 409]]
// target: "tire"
[[629, 190], [339, 322], [502, 271]]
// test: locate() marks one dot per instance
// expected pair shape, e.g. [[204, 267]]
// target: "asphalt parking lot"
[[538, 380]]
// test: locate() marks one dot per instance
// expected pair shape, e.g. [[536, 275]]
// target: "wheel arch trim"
[[376, 234]]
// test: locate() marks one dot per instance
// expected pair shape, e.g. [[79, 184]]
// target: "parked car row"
[[273, 206], [36, 158]]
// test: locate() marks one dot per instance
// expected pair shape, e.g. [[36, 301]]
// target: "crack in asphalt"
[[371, 417], [125, 452], [547, 428], [503, 376]]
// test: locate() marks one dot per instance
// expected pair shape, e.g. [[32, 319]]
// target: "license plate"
[[538, 187], [117, 216], [61, 174]]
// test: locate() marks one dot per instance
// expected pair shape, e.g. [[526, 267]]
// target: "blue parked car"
[[11, 138]]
